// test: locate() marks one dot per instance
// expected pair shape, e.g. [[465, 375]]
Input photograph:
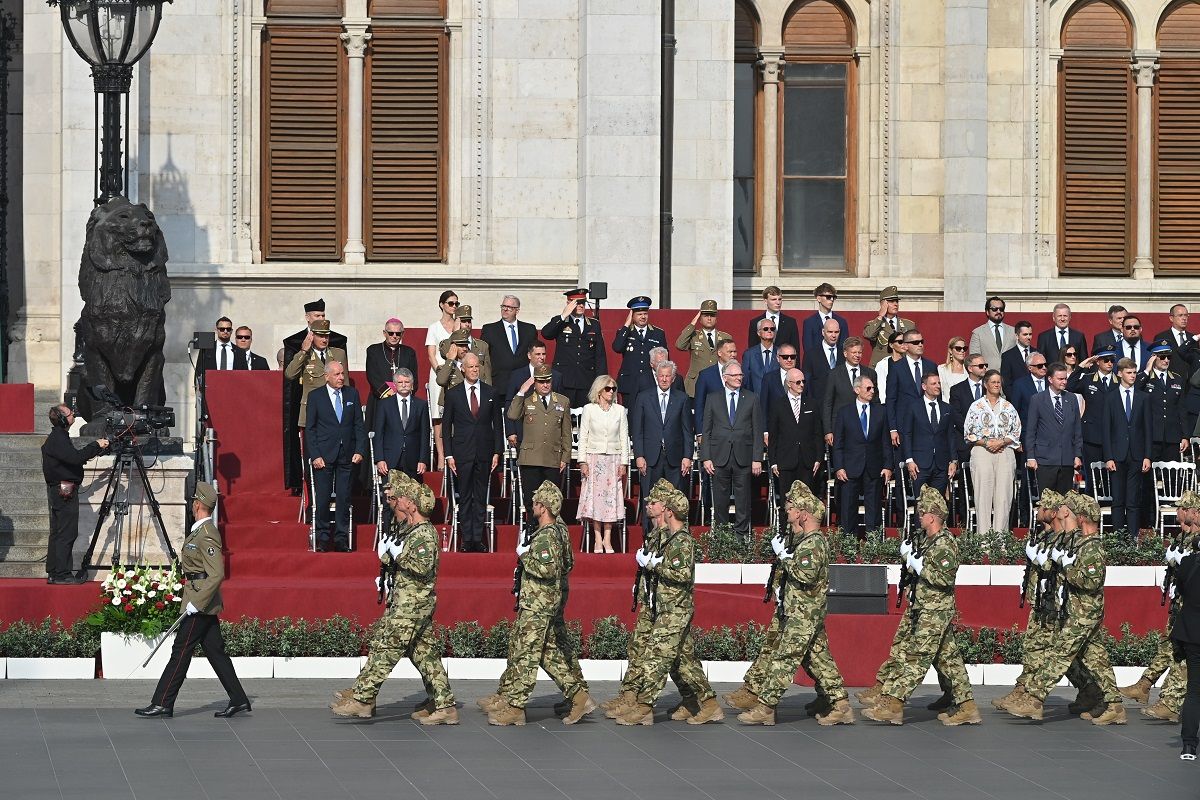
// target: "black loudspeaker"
[[858, 589], [204, 340], [598, 290]]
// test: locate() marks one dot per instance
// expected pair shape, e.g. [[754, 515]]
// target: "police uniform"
[[202, 562], [449, 374], [308, 369], [1095, 388], [701, 344], [634, 346], [544, 428], [877, 331], [1168, 415], [579, 355]]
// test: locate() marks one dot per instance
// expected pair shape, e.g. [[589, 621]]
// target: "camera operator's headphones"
[[58, 418]]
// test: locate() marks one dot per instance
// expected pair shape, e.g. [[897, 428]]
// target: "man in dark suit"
[[813, 330], [862, 457], [293, 393], [711, 378], [1061, 334], [244, 358], [520, 375], [579, 352], [1024, 388], [929, 438], [732, 449], [1014, 363], [472, 441], [794, 448], [773, 385], [904, 382], [1131, 345], [660, 424], [384, 360], [839, 389], [964, 393], [508, 340], [1185, 634], [62, 469], [334, 440], [224, 355], [1115, 333], [402, 430], [786, 329], [1168, 415], [1052, 436], [634, 341], [1185, 357], [822, 358], [760, 358], [1126, 432]]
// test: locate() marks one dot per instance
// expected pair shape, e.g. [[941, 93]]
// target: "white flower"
[[116, 601], [151, 594], [129, 573], [127, 593], [178, 599], [139, 601], [121, 584], [177, 586]]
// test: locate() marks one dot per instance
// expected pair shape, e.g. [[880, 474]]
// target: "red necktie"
[[474, 403]]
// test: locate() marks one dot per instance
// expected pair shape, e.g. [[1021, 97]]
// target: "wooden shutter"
[[745, 32], [405, 153], [302, 8], [406, 8], [1177, 142], [1096, 166], [303, 171], [818, 26]]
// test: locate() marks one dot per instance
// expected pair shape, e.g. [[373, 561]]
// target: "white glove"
[[394, 549], [1068, 560], [522, 548], [1174, 555], [786, 555], [641, 557], [917, 565], [191, 609], [1169, 554], [1171, 591], [905, 550], [1043, 557], [1056, 555], [1042, 584], [778, 594], [382, 547], [778, 545], [1031, 553], [654, 561], [380, 586]]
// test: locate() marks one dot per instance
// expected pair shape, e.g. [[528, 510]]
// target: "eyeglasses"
[[393, 333], [981, 365], [1067, 354], [1133, 327], [765, 328], [788, 356], [452, 303], [958, 348], [243, 336], [225, 330], [510, 308], [828, 296], [799, 381], [609, 389], [915, 341]]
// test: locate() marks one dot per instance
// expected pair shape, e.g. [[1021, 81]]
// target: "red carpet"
[[16, 408]]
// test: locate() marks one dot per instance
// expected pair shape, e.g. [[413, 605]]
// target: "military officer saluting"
[[202, 562], [459, 343], [579, 354], [543, 425], [634, 342], [887, 322], [1168, 416], [307, 367], [701, 343]]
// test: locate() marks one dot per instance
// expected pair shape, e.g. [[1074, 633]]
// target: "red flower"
[[154, 585], [170, 597], [128, 607], [160, 605]]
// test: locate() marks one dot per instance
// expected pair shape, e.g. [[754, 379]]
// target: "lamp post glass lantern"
[[111, 35]]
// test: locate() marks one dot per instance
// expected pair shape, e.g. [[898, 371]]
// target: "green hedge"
[[49, 639]]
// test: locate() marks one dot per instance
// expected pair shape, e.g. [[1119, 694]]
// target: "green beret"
[[1050, 499], [1083, 506], [549, 496], [678, 503], [932, 502]]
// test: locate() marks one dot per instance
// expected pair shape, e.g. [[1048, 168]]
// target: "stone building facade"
[[933, 144]]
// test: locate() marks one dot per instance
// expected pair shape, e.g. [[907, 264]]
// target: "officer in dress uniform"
[[701, 343], [449, 374], [543, 424], [579, 354], [293, 414], [885, 324], [1168, 416], [307, 367], [203, 564], [1095, 386], [634, 342]]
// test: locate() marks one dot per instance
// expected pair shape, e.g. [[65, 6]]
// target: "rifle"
[[527, 532], [784, 530], [652, 578], [1169, 577], [918, 552], [907, 578], [387, 571], [1034, 541], [1066, 586]]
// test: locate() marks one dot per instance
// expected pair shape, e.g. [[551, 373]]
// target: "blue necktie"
[[337, 403], [832, 358], [512, 336], [766, 359], [917, 374], [732, 406], [862, 418], [1058, 410], [1128, 405]]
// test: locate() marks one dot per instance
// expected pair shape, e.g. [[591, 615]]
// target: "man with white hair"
[[334, 440], [508, 340], [1050, 342]]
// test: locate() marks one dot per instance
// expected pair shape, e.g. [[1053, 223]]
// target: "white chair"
[[489, 514], [908, 499], [1171, 480], [962, 486], [1194, 449], [1102, 490]]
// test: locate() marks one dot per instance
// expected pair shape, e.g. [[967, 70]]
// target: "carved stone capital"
[[355, 42], [1143, 72], [770, 65]]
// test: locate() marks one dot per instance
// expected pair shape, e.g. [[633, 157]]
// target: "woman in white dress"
[[603, 462], [954, 370], [438, 331]]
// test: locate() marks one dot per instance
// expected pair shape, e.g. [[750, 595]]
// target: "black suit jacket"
[[771, 390], [1107, 338], [839, 390], [580, 358], [1168, 415], [207, 359], [1047, 343], [786, 332], [1187, 587], [652, 440], [734, 445], [1095, 395], [792, 445], [811, 332], [379, 369], [929, 446], [816, 369], [1021, 393], [255, 361], [325, 437], [1012, 367], [1126, 440], [504, 360], [853, 452], [961, 398], [470, 438], [903, 389], [402, 446]]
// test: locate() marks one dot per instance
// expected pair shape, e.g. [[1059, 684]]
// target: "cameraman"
[[62, 466]]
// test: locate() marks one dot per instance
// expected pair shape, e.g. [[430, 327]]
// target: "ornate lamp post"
[[111, 35]]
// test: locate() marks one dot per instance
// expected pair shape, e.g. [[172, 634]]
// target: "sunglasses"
[[242, 336], [788, 356], [995, 308], [1133, 327], [225, 330], [1038, 366], [1067, 354], [984, 365], [510, 308], [829, 296], [452, 303], [609, 389], [915, 341], [393, 333], [766, 328], [958, 348]]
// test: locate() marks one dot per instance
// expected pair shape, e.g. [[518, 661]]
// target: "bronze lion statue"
[[124, 285]]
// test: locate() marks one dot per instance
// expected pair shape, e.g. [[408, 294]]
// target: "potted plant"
[[331, 648], [137, 604], [49, 650]]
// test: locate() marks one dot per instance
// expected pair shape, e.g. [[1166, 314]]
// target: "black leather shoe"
[[154, 711], [1188, 753], [232, 709], [66, 580], [322, 547], [341, 548]]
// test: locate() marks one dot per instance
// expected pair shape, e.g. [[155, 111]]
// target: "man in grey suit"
[[839, 384], [732, 448], [993, 338], [660, 424], [1053, 434]]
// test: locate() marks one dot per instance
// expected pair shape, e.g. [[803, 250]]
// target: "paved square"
[[80, 739]]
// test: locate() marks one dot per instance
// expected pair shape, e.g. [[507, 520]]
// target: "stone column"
[[1144, 69], [355, 39], [771, 64]]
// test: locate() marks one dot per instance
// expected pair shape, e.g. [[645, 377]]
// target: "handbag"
[[66, 489]]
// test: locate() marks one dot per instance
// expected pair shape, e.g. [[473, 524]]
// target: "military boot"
[[840, 714], [688, 707], [1095, 711], [624, 698], [349, 707], [886, 709], [423, 710], [742, 699], [710, 711], [867, 696], [637, 714], [999, 702], [1026, 706], [617, 710], [507, 715], [1113, 715], [582, 704], [1138, 692], [342, 694], [1088, 698], [760, 714], [441, 716], [562, 707], [1160, 711], [818, 707], [942, 703], [485, 703], [965, 714]]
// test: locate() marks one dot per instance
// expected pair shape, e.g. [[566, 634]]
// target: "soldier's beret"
[[1050, 499], [206, 494], [889, 293], [320, 326], [932, 502], [463, 312], [425, 500], [1083, 506], [315, 305], [1189, 499], [678, 503], [708, 307], [543, 373], [639, 303], [549, 496]]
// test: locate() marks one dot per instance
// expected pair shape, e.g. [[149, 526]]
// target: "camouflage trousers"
[[670, 650], [1175, 687], [1076, 639], [802, 642], [539, 639], [890, 668], [930, 643], [1038, 638], [687, 673], [397, 637], [1163, 659]]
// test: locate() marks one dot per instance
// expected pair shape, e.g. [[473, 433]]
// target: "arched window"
[[1177, 137], [747, 132], [816, 205], [1096, 142]]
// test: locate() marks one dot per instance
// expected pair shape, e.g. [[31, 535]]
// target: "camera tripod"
[[116, 501]]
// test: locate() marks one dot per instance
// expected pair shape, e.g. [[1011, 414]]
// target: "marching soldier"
[[634, 342], [701, 343], [669, 645], [202, 562], [408, 577], [802, 567], [539, 634], [459, 343], [579, 354], [1081, 617], [930, 617], [543, 425], [885, 324], [307, 367]]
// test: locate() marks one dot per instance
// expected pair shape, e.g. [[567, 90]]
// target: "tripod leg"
[[156, 512], [101, 517]]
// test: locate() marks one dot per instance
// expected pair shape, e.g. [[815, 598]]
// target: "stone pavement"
[[80, 739]]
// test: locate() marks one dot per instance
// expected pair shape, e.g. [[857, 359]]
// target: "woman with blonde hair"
[[954, 370], [603, 462]]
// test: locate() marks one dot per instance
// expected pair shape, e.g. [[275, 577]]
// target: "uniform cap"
[[1050, 499], [708, 307], [660, 490], [315, 305], [1083, 506], [398, 483], [550, 496], [678, 503], [932, 502], [425, 500], [889, 293], [1106, 351], [1161, 347], [802, 498], [460, 336], [639, 303], [463, 312], [543, 373], [576, 294], [320, 326], [206, 494]]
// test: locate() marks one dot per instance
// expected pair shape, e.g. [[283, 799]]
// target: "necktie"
[[917, 373], [662, 406], [832, 358], [853, 375], [642, 333], [321, 353], [1039, 384], [1179, 336], [1105, 381], [1162, 380], [1058, 409], [403, 413], [1025, 353], [933, 415], [999, 339], [224, 356], [978, 390], [579, 324], [1128, 405], [711, 344], [766, 359], [732, 406], [862, 419], [796, 407], [1062, 338], [337, 403], [512, 336], [546, 402], [474, 403], [892, 322]]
